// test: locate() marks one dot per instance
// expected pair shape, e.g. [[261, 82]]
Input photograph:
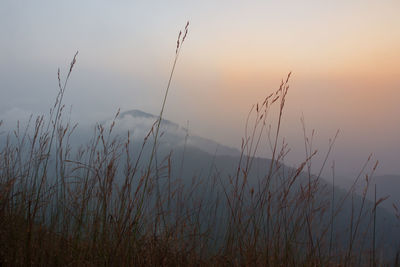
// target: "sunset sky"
[[344, 55]]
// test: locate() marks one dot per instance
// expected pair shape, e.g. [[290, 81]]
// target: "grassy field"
[[105, 204]]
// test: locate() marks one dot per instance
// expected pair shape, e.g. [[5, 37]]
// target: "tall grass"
[[106, 204]]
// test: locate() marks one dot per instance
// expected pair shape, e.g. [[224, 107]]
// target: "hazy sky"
[[345, 58]]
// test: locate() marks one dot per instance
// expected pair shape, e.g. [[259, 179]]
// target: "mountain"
[[194, 156], [172, 135]]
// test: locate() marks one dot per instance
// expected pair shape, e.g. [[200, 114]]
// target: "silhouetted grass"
[[107, 205]]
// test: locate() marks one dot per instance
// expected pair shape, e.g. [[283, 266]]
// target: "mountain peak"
[[136, 113], [174, 133]]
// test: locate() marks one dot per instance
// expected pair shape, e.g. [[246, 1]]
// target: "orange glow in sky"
[[344, 55]]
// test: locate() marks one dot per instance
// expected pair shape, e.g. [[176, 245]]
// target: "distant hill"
[[202, 156], [172, 135]]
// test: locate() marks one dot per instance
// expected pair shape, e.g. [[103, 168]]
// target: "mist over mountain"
[[196, 157], [172, 135], [202, 156]]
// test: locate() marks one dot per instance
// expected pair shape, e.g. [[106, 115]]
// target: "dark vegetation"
[[118, 201]]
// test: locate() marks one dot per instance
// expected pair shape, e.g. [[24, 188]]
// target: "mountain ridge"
[[137, 120]]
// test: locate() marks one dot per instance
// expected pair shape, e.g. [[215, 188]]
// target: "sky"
[[344, 55]]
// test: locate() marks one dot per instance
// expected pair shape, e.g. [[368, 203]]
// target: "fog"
[[343, 56]]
